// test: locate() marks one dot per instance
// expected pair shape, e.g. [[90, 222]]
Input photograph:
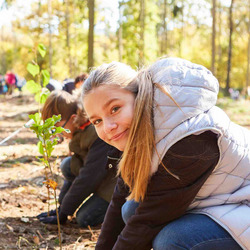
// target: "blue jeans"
[[190, 231]]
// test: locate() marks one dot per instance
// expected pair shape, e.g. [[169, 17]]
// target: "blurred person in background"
[[70, 85], [10, 80]]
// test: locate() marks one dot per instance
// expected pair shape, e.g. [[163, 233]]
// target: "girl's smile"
[[111, 108]]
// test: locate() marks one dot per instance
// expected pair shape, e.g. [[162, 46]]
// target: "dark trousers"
[[93, 210]]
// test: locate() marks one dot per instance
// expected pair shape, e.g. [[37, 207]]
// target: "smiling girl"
[[184, 173]]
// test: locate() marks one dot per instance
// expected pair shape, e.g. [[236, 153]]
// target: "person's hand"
[[45, 214], [53, 219]]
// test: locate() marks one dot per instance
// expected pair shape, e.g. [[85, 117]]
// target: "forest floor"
[[22, 193]]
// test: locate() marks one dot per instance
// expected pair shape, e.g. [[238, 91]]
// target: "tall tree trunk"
[[74, 53], [182, 29], [13, 31], [248, 51], [68, 37], [213, 37], [38, 20], [229, 46], [3, 55], [219, 50], [50, 40], [164, 34], [91, 7], [120, 45], [142, 31]]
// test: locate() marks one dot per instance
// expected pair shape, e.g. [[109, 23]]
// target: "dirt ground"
[[22, 192]]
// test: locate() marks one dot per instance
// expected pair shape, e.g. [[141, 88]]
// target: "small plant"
[[47, 130], [42, 76]]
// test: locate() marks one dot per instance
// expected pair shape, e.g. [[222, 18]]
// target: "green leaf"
[[56, 118], [48, 123], [58, 130], [40, 147], [33, 69], [38, 97], [42, 49], [36, 118], [32, 86], [45, 77], [44, 95]]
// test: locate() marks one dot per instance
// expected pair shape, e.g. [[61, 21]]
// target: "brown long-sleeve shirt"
[[192, 159]]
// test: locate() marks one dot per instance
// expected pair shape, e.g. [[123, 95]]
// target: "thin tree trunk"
[[74, 36], [230, 46], [50, 40], [248, 53], [182, 29], [68, 37], [3, 56], [14, 42], [38, 18], [91, 7], [120, 45], [165, 34], [219, 36], [142, 29], [213, 37]]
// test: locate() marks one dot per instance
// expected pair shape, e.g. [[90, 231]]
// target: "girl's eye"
[[96, 122], [115, 109]]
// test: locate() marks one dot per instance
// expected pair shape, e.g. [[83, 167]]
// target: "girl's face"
[[111, 109]]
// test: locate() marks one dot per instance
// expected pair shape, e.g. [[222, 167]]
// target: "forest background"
[[81, 34]]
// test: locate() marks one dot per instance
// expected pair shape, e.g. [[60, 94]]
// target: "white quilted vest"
[[225, 196]]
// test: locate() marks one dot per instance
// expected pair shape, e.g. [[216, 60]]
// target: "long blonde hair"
[[135, 165]]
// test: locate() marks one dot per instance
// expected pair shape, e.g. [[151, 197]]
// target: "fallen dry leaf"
[[36, 240]]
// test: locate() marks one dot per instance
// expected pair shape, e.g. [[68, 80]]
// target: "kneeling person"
[[86, 171]]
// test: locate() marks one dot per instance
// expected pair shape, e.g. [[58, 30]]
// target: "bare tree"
[[164, 34], [229, 46], [142, 30], [91, 7], [120, 45], [213, 37], [67, 17], [38, 19], [248, 50], [50, 39]]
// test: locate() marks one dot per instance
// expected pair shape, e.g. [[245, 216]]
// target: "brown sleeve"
[[192, 159]]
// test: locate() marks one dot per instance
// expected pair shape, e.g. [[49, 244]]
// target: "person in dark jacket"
[[184, 170], [86, 172]]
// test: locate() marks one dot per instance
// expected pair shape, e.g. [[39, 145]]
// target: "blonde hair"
[[60, 102], [135, 165]]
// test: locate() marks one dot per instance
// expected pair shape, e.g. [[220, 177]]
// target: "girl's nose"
[[109, 125]]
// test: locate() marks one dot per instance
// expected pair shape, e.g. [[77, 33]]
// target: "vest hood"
[[193, 87]]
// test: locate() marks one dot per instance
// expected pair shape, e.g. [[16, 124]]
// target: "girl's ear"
[[73, 118], [73, 122]]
